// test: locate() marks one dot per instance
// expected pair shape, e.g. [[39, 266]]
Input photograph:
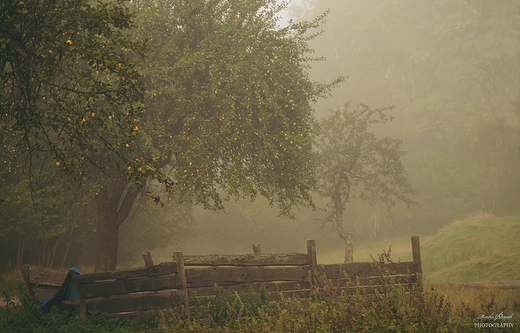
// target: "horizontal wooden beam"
[[247, 274], [164, 268], [256, 287], [365, 269], [295, 259], [137, 301], [43, 275], [128, 285]]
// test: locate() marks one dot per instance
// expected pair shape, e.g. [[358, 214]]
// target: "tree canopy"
[[211, 98], [356, 163], [230, 100], [70, 93]]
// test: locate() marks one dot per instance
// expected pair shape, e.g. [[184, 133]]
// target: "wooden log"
[[179, 259], [83, 307], [270, 296], [164, 268], [147, 257], [42, 282], [364, 269], [247, 274], [416, 255], [210, 290], [373, 280], [26, 275], [44, 275], [137, 301], [128, 285], [248, 260], [311, 252]]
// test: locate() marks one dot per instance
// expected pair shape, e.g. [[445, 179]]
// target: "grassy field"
[[480, 248]]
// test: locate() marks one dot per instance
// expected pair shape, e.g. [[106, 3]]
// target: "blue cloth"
[[68, 291]]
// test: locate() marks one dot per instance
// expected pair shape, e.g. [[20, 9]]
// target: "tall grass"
[[389, 308]]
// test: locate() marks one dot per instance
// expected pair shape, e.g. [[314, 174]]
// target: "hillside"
[[479, 248]]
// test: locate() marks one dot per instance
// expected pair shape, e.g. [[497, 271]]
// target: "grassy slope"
[[478, 248]]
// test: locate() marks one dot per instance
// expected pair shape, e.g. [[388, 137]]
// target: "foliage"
[[32, 222], [390, 308], [387, 310], [26, 317], [354, 163], [71, 95], [229, 100]]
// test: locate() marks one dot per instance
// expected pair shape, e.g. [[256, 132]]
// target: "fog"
[[218, 107], [452, 71]]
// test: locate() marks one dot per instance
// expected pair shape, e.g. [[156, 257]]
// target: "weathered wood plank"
[[128, 285], [178, 257], [372, 280], [362, 269], [269, 296], [248, 260], [209, 290], [247, 274], [137, 301], [43, 292], [164, 268], [43, 275], [42, 282]]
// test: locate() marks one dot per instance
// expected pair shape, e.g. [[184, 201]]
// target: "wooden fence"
[[187, 278]]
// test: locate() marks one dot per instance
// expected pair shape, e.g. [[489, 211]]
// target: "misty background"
[[452, 71], [450, 68]]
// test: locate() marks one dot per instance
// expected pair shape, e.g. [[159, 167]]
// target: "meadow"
[[481, 248]]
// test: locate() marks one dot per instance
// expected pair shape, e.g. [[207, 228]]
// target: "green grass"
[[476, 249], [389, 309]]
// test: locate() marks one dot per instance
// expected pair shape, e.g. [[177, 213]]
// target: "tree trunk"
[[347, 238], [114, 204], [21, 248], [107, 243], [338, 207], [67, 247]]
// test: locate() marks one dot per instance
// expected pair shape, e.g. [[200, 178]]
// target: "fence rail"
[[189, 277]]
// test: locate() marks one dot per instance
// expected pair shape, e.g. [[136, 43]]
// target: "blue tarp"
[[67, 292]]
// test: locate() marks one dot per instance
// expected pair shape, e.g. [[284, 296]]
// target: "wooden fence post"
[[311, 251], [257, 249], [179, 258], [313, 262], [147, 256], [83, 307], [416, 255]]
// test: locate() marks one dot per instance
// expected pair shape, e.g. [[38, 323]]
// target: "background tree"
[[451, 68], [354, 163]]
